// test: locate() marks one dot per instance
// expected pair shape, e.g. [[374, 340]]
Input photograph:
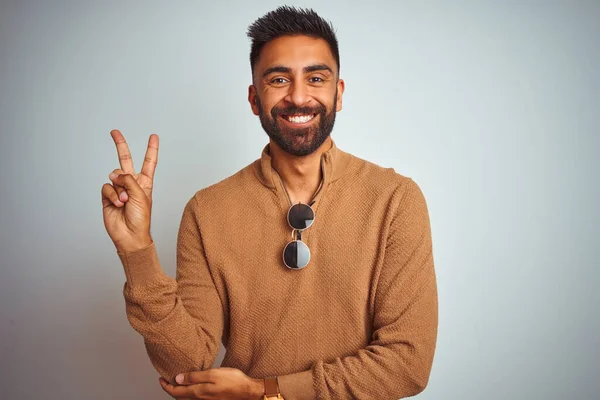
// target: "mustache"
[[277, 111]]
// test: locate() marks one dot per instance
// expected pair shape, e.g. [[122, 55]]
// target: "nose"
[[298, 94]]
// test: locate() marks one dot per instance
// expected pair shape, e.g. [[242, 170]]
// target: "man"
[[312, 266]]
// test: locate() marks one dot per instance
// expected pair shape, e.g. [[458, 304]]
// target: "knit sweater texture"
[[358, 322]]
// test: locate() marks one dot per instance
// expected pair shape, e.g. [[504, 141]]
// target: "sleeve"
[[181, 320], [398, 360]]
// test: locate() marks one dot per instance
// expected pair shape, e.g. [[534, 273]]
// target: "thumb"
[[129, 183], [194, 377]]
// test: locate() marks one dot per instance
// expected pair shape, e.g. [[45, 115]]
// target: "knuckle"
[[198, 393], [107, 189]]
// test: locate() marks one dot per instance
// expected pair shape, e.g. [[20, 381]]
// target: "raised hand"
[[127, 203]]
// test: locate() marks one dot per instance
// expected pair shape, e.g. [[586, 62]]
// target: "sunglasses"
[[296, 253]]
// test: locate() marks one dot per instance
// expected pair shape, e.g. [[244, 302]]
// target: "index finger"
[[123, 151], [151, 158], [193, 391]]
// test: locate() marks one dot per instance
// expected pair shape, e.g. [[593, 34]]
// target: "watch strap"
[[271, 389]]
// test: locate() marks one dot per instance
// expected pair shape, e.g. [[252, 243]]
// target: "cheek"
[[270, 100]]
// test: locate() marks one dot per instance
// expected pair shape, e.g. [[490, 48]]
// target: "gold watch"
[[272, 389]]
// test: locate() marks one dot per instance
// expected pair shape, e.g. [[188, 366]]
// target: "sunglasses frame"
[[297, 235]]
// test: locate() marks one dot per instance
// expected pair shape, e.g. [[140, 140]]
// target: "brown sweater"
[[360, 321]]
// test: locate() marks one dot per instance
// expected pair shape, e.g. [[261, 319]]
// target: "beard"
[[298, 141]]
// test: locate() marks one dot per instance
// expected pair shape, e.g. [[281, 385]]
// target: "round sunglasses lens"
[[296, 255], [301, 216]]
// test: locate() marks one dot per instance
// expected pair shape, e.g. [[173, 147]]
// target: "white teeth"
[[299, 119]]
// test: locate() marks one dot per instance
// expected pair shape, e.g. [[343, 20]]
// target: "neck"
[[301, 175]]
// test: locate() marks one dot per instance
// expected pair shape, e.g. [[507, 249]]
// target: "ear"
[[252, 99], [340, 91]]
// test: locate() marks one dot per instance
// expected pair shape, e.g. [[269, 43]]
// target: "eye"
[[316, 79], [278, 81]]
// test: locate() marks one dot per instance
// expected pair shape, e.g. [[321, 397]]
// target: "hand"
[[216, 383], [127, 203]]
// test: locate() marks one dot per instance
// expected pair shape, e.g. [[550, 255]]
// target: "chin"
[[303, 145]]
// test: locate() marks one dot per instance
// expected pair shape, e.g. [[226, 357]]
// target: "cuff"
[[298, 386], [141, 266]]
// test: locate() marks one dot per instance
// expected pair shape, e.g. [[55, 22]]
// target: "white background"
[[491, 107]]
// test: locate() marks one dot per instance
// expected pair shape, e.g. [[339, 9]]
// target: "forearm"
[[174, 339], [382, 370]]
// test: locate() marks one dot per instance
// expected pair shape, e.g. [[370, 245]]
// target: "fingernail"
[[179, 378], [112, 175], [123, 196]]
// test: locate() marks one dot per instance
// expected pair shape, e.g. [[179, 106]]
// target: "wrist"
[[257, 389], [134, 245]]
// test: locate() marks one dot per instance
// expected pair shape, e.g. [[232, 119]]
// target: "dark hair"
[[292, 21]]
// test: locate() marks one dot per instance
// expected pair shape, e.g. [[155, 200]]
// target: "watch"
[[272, 389]]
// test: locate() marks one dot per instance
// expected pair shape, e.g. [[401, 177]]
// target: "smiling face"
[[296, 92]]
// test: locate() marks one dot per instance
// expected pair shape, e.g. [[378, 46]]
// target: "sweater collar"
[[334, 163]]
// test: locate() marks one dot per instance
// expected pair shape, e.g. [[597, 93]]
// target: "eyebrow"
[[310, 68]]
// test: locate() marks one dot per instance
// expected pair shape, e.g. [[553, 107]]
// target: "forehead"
[[295, 52]]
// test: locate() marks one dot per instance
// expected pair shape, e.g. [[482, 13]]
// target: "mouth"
[[299, 119]]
